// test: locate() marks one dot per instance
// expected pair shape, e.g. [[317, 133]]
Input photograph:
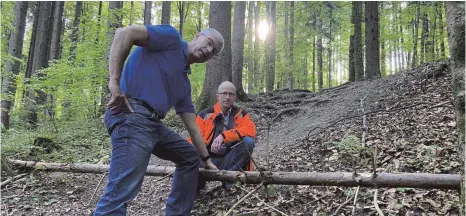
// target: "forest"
[[311, 73]]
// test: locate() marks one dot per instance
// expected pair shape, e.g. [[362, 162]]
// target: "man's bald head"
[[226, 86]]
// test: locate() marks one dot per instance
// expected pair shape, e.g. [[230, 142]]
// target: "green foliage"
[[351, 145]]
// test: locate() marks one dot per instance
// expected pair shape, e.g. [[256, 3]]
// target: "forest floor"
[[410, 118]]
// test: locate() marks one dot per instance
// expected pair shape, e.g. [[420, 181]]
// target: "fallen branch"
[[263, 202], [242, 199], [12, 179], [411, 180], [354, 202], [375, 203], [98, 185], [339, 207]]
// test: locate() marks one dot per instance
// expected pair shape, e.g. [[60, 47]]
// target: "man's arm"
[[124, 39], [189, 121]]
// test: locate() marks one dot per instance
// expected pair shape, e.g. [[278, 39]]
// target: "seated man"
[[225, 128]]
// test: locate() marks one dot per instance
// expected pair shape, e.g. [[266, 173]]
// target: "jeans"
[[230, 161], [135, 136]]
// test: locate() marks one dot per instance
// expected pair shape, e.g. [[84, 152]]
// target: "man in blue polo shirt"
[[154, 79]]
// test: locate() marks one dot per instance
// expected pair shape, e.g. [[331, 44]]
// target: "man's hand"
[[209, 165], [217, 143], [118, 99]]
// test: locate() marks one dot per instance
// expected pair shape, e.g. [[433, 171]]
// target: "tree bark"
[[237, 49], [415, 35], [329, 50], [147, 12], [320, 81], [456, 37], [183, 8], [357, 42], [290, 79], [250, 53], [347, 179], [218, 70], [39, 56], [12, 68], [56, 30], [166, 10], [351, 75], [441, 36], [372, 40], [314, 55], [75, 32], [256, 73], [270, 80]]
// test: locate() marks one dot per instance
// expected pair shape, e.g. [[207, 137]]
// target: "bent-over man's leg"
[[133, 137], [186, 157]]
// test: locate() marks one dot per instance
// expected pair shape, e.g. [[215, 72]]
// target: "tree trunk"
[[314, 55], [183, 8], [286, 47], [148, 13], [39, 58], [218, 70], [56, 30], [250, 53], [383, 67], [329, 50], [352, 74], [441, 36], [256, 74], [456, 37], [237, 49], [166, 10], [272, 40], [199, 16], [357, 42], [290, 79], [424, 38], [415, 35], [75, 32], [346, 179], [320, 81], [15, 48], [372, 40]]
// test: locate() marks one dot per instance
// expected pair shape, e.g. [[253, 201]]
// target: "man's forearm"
[[198, 142], [189, 121], [119, 51]]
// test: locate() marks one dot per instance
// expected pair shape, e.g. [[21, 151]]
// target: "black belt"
[[145, 105]]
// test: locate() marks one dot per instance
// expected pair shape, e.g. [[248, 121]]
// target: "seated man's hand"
[[209, 165], [216, 144]]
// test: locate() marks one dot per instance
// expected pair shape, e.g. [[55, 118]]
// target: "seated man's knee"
[[249, 142]]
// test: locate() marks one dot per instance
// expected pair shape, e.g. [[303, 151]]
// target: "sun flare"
[[263, 30]]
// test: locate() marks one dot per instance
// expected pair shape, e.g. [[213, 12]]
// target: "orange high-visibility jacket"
[[242, 125]]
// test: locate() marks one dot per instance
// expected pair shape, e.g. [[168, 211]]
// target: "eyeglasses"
[[227, 94], [211, 43]]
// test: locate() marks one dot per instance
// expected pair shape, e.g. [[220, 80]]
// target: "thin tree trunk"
[[237, 49], [272, 40], [357, 41], [291, 78], [148, 13], [415, 35], [320, 82], [329, 50], [352, 74], [442, 30], [424, 38], [250, 53], [256, 46], [183, 8], [372, 40], [166, 10], [75, 32], [12, 68], [314, 55]]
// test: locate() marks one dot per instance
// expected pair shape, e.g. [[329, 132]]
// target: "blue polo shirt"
[[158, 73]]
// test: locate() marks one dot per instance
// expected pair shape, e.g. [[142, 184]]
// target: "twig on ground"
[[13, 179], [354, 202], [263, 201], [242, 199], [375, 203], [98, 185], [343, 204], [165, 177], [364, 128]]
